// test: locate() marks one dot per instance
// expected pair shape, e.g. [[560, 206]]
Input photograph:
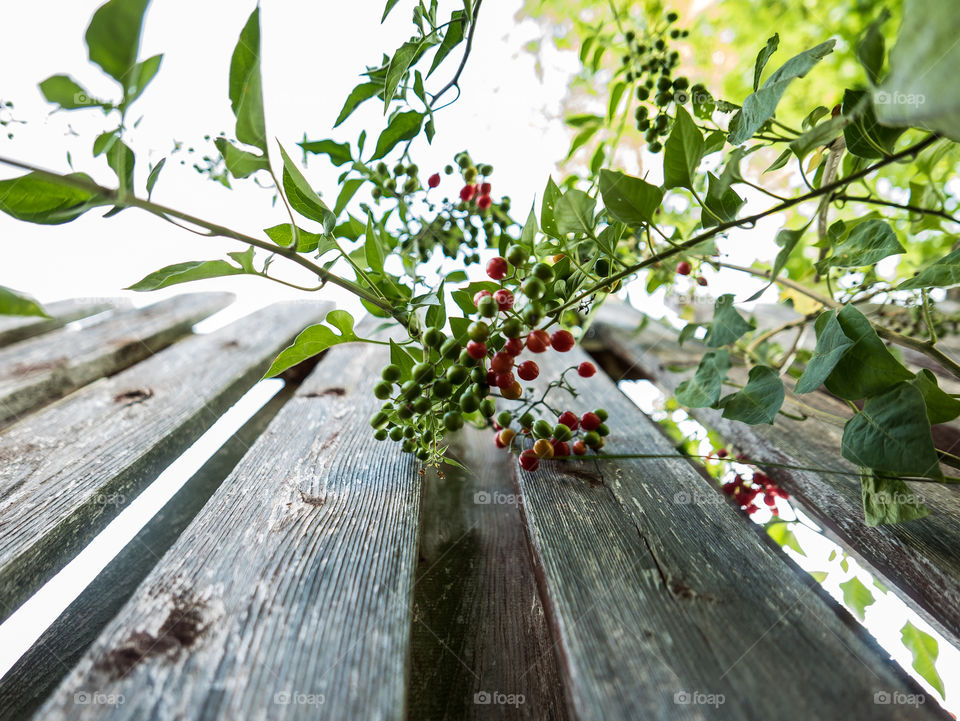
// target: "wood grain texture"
[[659, 590], [289, 596], [479, 632], [43, 369], [38, 672], [921, 558], [17, 328], [67, 470]]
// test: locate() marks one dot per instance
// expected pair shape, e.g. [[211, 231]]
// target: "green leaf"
[[762, 57], [864, 135], [787, 240], [14, 303], [760, 106], [359, 94], [832, 345], [371, 248], [140, 77], [302, 197], [436, 316], [154, 176], [728, 325], [246, 85], [121, 161], [682, 152], [703, 390], [758, 401], [240, 163], [452, 38], [185, 273], [892, 434], [283, 235], [397, 70], [871, 48], [548, 223], [925, 651], [888, 500], [941, 407], [921, 89], [399, 357], [388, 8], [339, 152], [347, 192], [721, 203], [36, 199], [574, 212], [627, 199], [784, 536], [867, 368], [944, 273], [868, 243], [244, 259], [65, 92], [403, 126], [113, 36], [856, 596], [314, 340]]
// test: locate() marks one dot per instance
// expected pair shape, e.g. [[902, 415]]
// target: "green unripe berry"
[[452, 421], [398, 169], [466, 359], [376, 193], [396, 433], [383, 390], [391, 185], [469, 402], [534, 288], [478, 389], [504, 418], [381, 168], [542, 271], [602, 414], [477, 375], [602, 267], [457, 374], [408, 446], [591, 438], [542, 429], [433, 338], [380, 434], [488, 307], [442, 388], [410, 389], [562, 432], [463, 160], [410, 185], [486, 169], [488, 407], [421, 405], [603, 429], [478, 331], [470, 174], [448, 169], [404, 412], [643, 93], [513, 327], [450, 349], [392, 373], [532, 315], [422, 372], [412, 169], [516, 255], [409, 432], [655, 147], [526, 420], [379, 419]]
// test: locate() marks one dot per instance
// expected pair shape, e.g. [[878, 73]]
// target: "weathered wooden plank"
[[17, 328], [66, 471], [670, 605], [289, 596], [43, 369], [920, 558], [481, 647], [38, 672]]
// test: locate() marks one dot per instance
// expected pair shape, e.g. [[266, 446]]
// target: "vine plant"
[[458, 339]]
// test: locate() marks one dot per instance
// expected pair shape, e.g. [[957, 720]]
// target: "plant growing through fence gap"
[[459, 342]]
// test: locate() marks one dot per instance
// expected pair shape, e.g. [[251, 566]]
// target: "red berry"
[[701, 280], [586, 369], [485, 188], [505, 379], [497, 268], [722, 453], [562, 341], [683, 268], [770, 499], [513, 346], [560, 448], [504, 299], [498, 442], [467, 193], [538, 341], [480, 295], [484, 202], [434, 180], [528, 370], [569, 419], [476, 350], [590, 421], [529, 460], [579, 448], [501, 362], [491, 378]]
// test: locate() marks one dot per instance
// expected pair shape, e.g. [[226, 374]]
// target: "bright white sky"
[[312, 56]]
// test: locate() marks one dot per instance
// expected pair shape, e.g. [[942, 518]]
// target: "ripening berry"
[[683, 268], [513, 392], [480, 295], [505, 437], [562, 341], [434, 180], [569, 419], [528, 370], [504, 299], [529, 460], [586, 369], [467, 193], [538, 341], [477, 350], [543, 448], [513, 346], [722, 453], [590, 421], [485, 188], [579, 448], [501, 362], [497, 268], [561, 449], [484, 202], [488, 307], [701, 280]]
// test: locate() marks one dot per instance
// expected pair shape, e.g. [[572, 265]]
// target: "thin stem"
[[902, 206], [927, 317]]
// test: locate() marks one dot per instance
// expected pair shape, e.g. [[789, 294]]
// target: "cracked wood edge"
[[14, 329]]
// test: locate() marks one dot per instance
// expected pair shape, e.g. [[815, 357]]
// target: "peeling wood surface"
[[667, 601], [921, 559], [43, 369], [289, 596], [17, 328], [67, 470], [481, 647]]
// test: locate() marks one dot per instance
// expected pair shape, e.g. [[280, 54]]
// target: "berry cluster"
[[684, 268], [749, 492], [650, 62], [403, 181]]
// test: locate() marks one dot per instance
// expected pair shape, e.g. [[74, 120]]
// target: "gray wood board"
[[289, 596], [43, 369], [67, 470], [670, 604], [17, 328]]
